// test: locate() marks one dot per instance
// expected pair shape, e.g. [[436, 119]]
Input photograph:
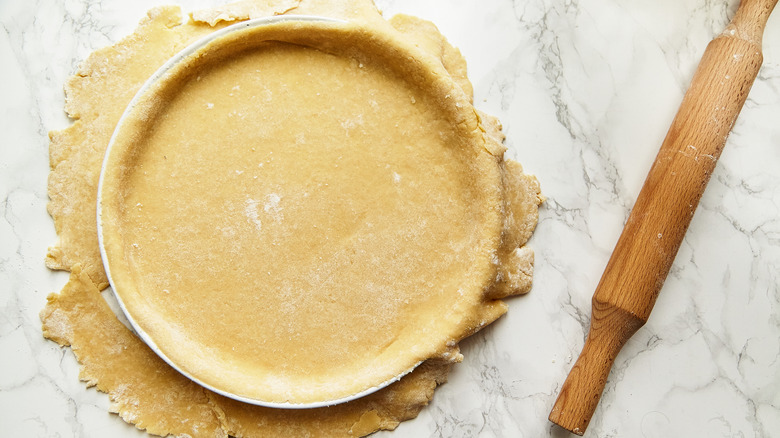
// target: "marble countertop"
[[586, 92]]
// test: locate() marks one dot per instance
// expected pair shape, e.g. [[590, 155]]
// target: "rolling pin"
[[663, 210]]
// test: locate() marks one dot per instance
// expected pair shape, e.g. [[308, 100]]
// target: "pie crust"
[[145, 391], [302, 211]]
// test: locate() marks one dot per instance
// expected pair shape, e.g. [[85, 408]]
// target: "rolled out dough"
[[476, 200]]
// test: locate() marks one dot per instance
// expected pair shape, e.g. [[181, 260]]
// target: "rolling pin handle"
[[579, 396]]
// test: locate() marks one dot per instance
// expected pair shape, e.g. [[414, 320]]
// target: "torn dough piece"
[[106, 82]]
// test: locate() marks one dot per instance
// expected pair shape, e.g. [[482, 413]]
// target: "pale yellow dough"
[[356, 192]]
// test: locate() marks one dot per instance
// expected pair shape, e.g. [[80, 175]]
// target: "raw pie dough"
[[432, 179]]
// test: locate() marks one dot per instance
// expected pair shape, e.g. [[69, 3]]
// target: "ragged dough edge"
[[356, 11], [243, 10], [521, 193], [142, 390], [146, 392], [383, 410], [427, 37], [76, 152], [513, 260], [522, 198], [239, 420], [74, 167]]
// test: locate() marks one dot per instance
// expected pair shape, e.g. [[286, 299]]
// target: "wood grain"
[[658, 221]]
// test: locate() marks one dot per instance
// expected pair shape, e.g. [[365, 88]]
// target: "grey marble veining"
[[586, 92]]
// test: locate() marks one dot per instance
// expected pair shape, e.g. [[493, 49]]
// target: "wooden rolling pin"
[[644, 253]]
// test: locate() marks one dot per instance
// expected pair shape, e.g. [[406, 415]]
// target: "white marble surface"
[[586, 91]]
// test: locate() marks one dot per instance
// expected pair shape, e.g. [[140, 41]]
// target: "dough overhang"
[[76, 152]]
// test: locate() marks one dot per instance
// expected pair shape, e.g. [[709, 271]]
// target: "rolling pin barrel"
[[663, 210]]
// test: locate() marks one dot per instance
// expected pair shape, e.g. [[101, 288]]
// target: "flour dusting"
[[352, 123], [250, 209], [272, 208]]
